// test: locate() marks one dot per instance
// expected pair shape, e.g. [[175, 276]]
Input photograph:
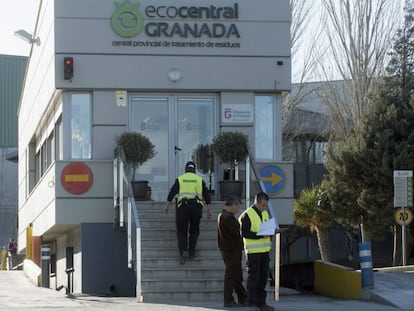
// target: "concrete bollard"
[[365, 259], [45, 266]]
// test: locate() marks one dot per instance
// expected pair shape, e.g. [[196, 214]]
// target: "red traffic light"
[[68, 68], [68, 61]]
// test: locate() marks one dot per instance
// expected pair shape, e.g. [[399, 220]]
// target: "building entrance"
[[180, 127]]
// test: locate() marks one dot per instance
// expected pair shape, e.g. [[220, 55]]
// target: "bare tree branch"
[[359, 34]]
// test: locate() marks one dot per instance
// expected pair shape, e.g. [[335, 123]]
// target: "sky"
[[15, 15]]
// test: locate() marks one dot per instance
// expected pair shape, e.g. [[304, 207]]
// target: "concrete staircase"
[[163, 277]]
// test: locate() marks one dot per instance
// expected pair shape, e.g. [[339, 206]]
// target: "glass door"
[[149, 116], [195, 131], [181, 128]]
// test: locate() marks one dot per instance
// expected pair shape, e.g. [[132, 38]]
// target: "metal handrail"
[[132, 221], [250, 162]]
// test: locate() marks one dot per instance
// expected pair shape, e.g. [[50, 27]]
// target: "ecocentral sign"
[[189, 22]]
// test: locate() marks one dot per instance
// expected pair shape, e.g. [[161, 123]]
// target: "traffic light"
[[68, 68]]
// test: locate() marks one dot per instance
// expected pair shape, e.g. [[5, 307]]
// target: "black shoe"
[[232, 304], [183, 258]]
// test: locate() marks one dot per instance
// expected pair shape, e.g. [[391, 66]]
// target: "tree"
[[359, 33], [361, 170], [400, 78], [311, 210]]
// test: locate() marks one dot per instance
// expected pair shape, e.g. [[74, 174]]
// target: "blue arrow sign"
[[273, 178]]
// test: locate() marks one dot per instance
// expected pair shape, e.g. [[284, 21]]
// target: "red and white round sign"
[[76, 178]]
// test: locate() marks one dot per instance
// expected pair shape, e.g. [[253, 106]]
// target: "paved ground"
[[18, 293]]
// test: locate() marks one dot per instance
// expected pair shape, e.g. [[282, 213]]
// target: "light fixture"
[[24, 35], [174, 75]]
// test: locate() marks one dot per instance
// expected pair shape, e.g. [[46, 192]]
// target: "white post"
[[121, 194], [236, 170], [115, 182], [138, 265], [277, 266], [129, 233]]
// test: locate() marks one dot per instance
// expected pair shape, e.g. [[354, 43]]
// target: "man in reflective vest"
[[257, 248], [192, 194]]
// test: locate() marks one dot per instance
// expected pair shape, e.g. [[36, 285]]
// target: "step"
[[154, 262], [182, 295], [172, 252], [163, 277], [178, 273], [201, 283], [170, 224], [171, 242]]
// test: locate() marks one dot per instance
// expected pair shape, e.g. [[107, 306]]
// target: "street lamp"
[[24, 35]]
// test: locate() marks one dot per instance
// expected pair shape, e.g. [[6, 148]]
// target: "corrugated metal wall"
[[12, 70]]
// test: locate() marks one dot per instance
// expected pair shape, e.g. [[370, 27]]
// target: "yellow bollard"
[[29, 243], [4, 259]]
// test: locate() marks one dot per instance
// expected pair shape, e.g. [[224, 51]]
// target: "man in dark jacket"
[[192, 194], [230, 244]]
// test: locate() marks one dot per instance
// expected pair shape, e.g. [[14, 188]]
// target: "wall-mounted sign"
[[121, 98], [277, 179], [154, 25], [403, 188], [273, 178], [76, 178], [237, 113]]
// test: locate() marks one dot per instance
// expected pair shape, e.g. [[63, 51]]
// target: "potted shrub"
[[137, 149], [203, 158], [231, 148]]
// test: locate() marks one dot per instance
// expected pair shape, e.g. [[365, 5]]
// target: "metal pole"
[[247, 182], [403, 238], [362, 231]]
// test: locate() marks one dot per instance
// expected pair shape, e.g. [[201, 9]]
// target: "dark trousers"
[[233, 277], [258, 272], [188, 226]]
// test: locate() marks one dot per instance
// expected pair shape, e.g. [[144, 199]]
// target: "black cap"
[[190, 167]]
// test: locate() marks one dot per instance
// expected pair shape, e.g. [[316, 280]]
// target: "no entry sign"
[[76, 178]]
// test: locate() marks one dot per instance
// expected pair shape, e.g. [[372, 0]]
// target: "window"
[[80, 112], [45, 148], [305, 151], [264, 127], [59, 139]]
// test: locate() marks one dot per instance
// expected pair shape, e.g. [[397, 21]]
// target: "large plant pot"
[[140, 189], [230, 188]]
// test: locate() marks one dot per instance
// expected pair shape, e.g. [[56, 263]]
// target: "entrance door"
[[180, 127]]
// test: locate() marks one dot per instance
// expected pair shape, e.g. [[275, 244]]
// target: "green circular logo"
[[127, 21]]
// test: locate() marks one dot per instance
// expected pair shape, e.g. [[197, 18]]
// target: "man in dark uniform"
[[192, 194], [230, 243]]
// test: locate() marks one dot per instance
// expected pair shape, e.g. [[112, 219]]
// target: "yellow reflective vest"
[[261, 245], [191, 187]]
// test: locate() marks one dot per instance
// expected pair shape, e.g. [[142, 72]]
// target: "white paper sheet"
[[268, 227]]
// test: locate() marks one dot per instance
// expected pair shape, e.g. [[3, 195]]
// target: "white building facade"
[[178, 71]]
